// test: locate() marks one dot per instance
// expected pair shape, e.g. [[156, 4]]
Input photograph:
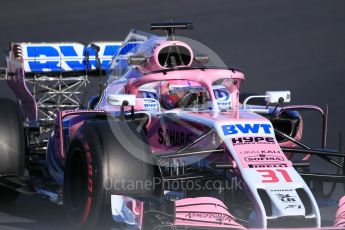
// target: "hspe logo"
[[247, 129], [253, 140]]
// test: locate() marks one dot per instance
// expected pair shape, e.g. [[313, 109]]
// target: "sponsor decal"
[[173, 195], [150, 106], [67, 57], [174, 138], [250, 152], [252, 140], [293, 206], [280, 165], [270, 151], [271, 176], [290, 201], [281, 190], [68, 52], [214, 217], [224, 105], [221, 95], [247, 129], [260, 152], [263, 157], [223, 98], [286, 198]]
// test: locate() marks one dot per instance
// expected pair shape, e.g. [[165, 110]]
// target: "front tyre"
[[95, 161]]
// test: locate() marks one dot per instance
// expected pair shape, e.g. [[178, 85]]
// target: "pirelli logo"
[[277, 165]]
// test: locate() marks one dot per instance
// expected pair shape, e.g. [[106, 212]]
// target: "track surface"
[[295, 45]]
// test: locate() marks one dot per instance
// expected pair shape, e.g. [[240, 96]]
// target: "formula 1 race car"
[[167, 143]]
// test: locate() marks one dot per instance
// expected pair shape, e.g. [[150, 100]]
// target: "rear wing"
[[46, 77], [63, 57]]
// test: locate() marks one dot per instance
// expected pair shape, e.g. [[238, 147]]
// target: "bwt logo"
[[68, 57], [246, 129], [223, 98], [151, 106], [221, 95]]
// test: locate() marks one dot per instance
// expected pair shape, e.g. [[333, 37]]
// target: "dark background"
[[295, 45]]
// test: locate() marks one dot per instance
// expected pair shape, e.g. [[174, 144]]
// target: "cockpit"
[[166, 74], [187, 94]]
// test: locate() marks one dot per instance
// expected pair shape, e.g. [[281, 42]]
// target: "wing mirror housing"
[[202, 59], [121, 99], [136, 60], [274, 97], [271, 97]]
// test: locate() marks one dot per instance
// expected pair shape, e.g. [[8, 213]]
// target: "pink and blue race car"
[[169, 142]]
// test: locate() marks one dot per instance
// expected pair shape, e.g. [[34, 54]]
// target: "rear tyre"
[[12, 146], [95, 161]]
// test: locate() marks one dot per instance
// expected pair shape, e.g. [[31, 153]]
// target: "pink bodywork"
[[202, 211], [18, 86], [340, 215]]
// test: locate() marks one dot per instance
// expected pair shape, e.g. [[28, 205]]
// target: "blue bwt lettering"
[[56, 62], [246, 128]]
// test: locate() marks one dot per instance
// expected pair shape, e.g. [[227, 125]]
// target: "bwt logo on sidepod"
[[247, 129]]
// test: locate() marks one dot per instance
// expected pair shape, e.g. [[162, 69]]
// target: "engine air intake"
[[174, 56]]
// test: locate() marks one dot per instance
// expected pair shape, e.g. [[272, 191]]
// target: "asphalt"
[[294, 45]]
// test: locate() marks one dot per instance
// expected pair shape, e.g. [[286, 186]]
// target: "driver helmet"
[[169, 98]]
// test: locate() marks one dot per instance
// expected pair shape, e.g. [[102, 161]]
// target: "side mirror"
[[202, 59], [271, 97], [121, 99], [274, 97], [136, 60]]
